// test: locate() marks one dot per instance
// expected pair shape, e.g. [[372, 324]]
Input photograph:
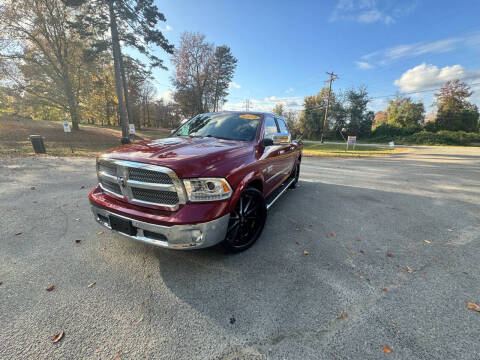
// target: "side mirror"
[[172, 131], [281, 139], [267, 142]]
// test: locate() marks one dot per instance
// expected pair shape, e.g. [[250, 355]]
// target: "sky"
[[284, 48]]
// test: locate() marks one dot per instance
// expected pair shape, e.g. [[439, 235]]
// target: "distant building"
[[379, 119]]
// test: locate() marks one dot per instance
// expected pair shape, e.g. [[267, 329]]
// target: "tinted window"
[[230, 126], [282, 125], [270, 127]]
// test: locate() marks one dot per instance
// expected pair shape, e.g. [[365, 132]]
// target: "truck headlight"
[[207, 189]]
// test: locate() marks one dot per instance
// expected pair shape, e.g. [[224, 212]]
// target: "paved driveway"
[[271, 301]]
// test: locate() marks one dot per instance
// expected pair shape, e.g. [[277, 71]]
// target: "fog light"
[[197, 236]]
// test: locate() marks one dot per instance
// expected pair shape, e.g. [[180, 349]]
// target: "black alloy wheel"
[[246, 221], [295, 174]]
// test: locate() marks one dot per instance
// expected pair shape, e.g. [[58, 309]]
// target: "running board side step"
[[278, 192]]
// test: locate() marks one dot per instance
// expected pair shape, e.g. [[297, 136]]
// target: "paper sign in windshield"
[[249, 116]]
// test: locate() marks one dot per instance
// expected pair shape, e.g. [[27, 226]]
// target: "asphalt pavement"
[[366, 253]]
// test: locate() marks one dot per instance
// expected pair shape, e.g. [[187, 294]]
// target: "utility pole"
[[332, 78]]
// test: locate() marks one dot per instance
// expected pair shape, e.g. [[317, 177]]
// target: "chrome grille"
[[111, 186], [149, 176], [155, 196], [141, 183], [107, 168]]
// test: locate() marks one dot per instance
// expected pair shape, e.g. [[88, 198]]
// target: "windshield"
[[231, 126]]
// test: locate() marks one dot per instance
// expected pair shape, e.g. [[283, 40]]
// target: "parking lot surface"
[[366, 253]]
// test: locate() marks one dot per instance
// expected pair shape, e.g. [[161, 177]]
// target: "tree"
[[404, 112], [202, 74], [278, 109], [132, 22], [224, 64], [454, 111], [359, 120], [310, 122], [41, 56]]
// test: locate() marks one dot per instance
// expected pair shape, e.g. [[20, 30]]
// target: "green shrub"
[[443, 137]]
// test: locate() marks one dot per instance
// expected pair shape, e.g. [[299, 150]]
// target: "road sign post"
[[351, 140], [67, 129]]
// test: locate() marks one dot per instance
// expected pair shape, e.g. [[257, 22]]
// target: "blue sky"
[[284, 48]]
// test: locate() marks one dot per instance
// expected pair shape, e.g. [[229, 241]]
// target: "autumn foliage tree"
[[454, 111]]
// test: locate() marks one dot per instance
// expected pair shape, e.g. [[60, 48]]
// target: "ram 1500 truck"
[[212, 181]]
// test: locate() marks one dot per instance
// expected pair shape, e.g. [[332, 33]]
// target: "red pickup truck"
[[212, 181]]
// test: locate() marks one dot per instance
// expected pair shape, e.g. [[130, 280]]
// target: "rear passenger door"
[[285, 152]]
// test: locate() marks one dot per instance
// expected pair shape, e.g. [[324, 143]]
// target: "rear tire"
[[246, 221]]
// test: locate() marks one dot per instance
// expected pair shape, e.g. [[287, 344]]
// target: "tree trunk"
[[125, 91], [118, 78]]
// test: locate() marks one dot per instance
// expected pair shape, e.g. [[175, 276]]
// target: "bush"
[[389, 132], [443, 137]]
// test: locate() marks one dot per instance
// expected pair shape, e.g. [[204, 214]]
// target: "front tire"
[[246, 221]]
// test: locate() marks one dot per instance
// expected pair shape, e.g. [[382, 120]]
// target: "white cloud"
[[388, 55], [289, 90], [267, 104], [423, 77], [234, 85], [371, 11], [363, 65], [168, 28], [167, 96]]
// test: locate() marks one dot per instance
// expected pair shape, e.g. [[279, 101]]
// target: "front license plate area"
[[122, 225]]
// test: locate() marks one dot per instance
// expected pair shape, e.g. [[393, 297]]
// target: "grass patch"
[[89, 141], [316, 149]]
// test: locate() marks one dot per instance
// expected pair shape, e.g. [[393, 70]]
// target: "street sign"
[[66, 126], [351, 140], [132, 129]]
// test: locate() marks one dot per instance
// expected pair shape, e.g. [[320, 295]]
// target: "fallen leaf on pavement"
[[427, 241], [33, 188], [409, 269], [78, 241], [305, 252], [362, 252], [82, 187], [361, 277], [384, 289], [50, 287], [389, 255], [343, 315], [297, 242], [473, 306], [146, 276], [386, 349], [98, 350], [358, 239], [92, 285], [117, 357], [19, 233], [140, 320], [332, 234], [100, 233], [57, 337]]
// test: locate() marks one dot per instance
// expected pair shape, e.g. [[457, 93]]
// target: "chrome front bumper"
[[180, 237]]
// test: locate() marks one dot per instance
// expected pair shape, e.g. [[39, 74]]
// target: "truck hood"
[[188, 157]]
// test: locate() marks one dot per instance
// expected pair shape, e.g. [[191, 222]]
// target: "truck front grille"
[[155, 196], [141, 183], [149, 176]]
